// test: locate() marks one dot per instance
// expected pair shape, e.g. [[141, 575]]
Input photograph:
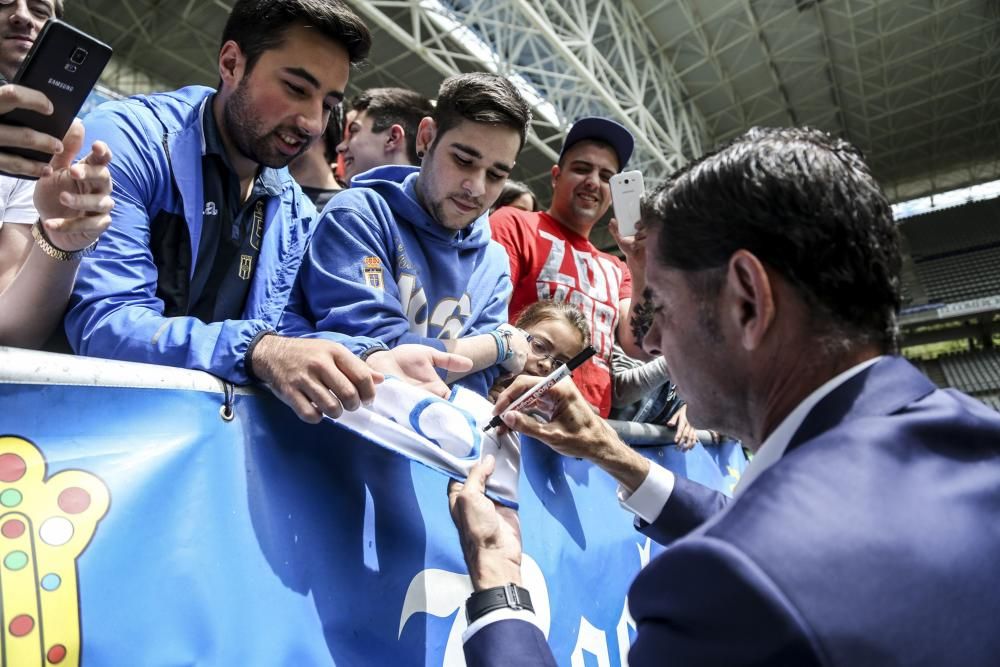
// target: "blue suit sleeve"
[[508, 642], [690, 505], [114, 311], [705, 603]]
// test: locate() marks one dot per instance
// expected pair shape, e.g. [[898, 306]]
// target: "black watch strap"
[[510, 596]]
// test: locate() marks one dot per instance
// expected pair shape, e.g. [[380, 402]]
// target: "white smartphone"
[[626, 192]]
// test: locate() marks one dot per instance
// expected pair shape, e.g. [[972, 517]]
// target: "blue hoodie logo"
[[447, 318]]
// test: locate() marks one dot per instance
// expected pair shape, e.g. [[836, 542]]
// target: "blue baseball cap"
[[601, 129]]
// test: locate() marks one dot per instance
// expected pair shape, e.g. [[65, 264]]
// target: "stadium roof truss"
[[574, 58], [914, 83]]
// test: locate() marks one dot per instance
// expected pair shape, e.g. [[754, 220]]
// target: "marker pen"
[[530, 397]]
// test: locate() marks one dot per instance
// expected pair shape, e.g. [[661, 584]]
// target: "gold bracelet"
[[43, 242]]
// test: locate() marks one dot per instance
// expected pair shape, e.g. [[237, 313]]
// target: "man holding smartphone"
[[551, 255], [210, 228], [50, 222]]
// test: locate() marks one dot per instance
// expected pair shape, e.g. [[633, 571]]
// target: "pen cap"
[[578, 360]]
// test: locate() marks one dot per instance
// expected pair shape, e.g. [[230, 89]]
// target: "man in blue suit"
[[864, 532]]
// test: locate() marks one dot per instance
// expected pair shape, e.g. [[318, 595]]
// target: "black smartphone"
[[65, 64]]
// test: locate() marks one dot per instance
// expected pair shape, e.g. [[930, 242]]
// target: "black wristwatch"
[[510, 596]]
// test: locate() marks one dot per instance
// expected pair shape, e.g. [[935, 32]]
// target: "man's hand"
[[490, 533], [74, 200], [314, 377], [574, 429], [686, 436], [417, 365], [633, 247], [14, 136]]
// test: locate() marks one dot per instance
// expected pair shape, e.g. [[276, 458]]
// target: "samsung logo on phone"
[[61, 84]]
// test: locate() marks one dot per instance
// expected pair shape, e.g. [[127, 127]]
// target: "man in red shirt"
[[551, 255]]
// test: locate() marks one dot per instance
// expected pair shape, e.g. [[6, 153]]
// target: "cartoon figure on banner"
[[442, 593], [45, 524]]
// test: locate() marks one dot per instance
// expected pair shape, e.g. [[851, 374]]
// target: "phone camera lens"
[[626, 181], [79, 55]]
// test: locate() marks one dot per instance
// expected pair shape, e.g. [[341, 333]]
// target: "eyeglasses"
[[541, 348]]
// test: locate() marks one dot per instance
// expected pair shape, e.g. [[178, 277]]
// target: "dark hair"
[[260, 25], [804, 203], [481, 98], [395, 106], [57, 5], [511, 191]]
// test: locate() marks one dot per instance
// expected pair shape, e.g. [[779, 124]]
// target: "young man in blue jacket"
[[405, 255], [209, 228]]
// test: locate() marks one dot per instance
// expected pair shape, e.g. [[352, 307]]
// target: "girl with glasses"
[[557, 333]]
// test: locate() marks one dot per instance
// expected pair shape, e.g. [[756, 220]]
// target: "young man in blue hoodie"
[[405, 255], [208, 227]]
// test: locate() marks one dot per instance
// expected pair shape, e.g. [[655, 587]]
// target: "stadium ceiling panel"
[[914, 83], [581, 58]]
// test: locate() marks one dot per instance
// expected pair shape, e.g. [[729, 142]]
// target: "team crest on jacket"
[[246, 266], [372, 269]]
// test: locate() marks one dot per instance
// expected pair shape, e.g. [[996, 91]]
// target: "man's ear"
[[555, 176], [232, 64], [426, 133], [395, 139], [750, 304]]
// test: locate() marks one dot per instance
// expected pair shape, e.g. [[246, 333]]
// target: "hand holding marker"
[[530, 397]]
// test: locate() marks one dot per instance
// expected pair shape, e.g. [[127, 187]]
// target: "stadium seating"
[[953, 254], [943, 231], [932, 369], [973, 372], [961, 275]]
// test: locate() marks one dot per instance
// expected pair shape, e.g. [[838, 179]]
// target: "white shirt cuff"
[[648, 500], [502, 614]]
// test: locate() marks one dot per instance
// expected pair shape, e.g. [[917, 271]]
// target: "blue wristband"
[[503, 351]]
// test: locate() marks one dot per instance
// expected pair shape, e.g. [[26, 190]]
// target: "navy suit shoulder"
[[872, 542], [705, 603]]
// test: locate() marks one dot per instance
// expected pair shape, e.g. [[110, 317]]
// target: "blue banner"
[[141, 528]]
